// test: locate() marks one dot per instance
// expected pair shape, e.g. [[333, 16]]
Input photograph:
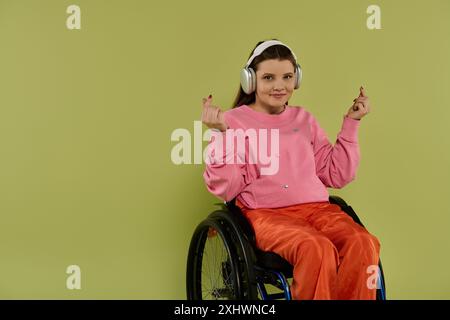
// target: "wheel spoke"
[[216, 284]]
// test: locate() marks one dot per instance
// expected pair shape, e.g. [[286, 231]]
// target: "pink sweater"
[[307, 162]]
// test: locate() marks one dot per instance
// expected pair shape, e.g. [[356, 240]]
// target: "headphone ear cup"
[[298, 76], [248, 80], [252, 80]]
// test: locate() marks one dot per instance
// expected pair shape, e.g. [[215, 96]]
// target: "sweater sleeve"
[[336, 165], [224, 176]]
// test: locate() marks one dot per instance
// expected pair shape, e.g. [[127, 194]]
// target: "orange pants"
[[330, 252]]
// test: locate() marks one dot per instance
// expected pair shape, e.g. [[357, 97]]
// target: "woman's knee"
[[318, 247], [366, 241], [375, 241]]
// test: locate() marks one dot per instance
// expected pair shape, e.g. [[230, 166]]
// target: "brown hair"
[[279, 52]]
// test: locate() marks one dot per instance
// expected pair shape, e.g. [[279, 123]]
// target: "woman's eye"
[[266, 77]]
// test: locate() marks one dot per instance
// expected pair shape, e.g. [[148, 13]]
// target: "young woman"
[[289, 209]]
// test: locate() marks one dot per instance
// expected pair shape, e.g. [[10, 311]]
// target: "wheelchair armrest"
[[338, 200]]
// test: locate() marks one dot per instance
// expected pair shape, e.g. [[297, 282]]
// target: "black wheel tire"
[[195, 259], [245, 253]]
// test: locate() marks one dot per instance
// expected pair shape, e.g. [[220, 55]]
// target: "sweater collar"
[[267, 117]]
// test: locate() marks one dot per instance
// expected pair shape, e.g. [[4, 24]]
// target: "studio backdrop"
[[97, 99]]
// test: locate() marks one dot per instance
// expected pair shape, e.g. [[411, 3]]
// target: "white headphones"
[[248, 75]]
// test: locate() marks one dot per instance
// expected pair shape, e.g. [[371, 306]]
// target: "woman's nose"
[[278, 86]]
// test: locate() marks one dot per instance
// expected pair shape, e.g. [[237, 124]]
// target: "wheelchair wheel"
[[212, 267], [233, 222]]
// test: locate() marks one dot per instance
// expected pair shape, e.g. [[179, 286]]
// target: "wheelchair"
[[224, 262]]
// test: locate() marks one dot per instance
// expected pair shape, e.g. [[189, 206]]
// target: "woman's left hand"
[[360, 107]]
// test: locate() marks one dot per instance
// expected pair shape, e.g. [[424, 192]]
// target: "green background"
[[86, 117]]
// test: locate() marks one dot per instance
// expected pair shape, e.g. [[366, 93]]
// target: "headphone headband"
[[263, 46]]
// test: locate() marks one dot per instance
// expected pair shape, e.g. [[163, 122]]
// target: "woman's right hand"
[[212, 116]]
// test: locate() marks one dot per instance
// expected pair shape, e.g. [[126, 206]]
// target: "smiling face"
[[275, 82]]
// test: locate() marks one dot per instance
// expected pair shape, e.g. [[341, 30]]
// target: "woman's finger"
[[364, 106], [360, 99], [208, 101], [212, 113], [221, 117], [362, 92], [360, 105], [207, 111], [203, 109], [216, 114], [357, 106], [362, 102]]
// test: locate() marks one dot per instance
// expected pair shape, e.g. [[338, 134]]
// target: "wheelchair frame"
[[249, 268]]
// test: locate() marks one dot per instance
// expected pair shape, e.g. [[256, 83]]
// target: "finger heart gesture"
[[360, 107], [212, 116]]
